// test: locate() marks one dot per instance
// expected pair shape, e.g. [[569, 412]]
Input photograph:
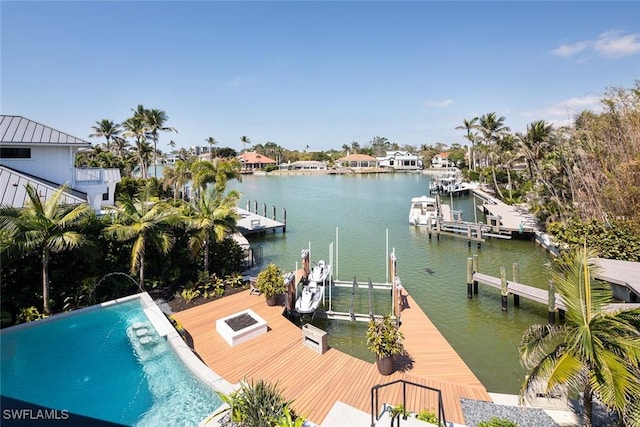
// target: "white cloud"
[[431, 103], [562, 112], [568, 50], [610, 44], [614, 44]]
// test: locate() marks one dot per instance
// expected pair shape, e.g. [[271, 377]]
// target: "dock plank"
[[315, 382]]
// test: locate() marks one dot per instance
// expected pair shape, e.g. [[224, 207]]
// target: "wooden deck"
[[314, 381]]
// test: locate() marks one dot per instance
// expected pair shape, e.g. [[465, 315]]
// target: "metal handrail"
[[375, 403]]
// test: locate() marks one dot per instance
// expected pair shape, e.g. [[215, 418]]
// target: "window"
[[15, 153], [105, 196]]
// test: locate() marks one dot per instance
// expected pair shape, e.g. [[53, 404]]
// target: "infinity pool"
[[108, 363]]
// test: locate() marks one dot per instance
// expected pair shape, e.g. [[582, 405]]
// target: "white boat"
[[310, 298], [424, 211], [320, 272]]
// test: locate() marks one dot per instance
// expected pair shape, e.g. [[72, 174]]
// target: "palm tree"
[[219, 172], [492, 129], [245, 140], [212, 218], [212, 143], [146, 222], [534, 143], [177, 177], [135, 127], [469, 126], [155, 120], [47, 228], [595, 352], [108, 129]]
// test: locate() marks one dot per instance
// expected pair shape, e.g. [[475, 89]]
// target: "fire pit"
[[240, 327]]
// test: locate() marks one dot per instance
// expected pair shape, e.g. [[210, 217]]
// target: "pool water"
[[108, 364]]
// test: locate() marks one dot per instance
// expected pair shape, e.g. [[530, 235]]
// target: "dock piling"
[[552, 303], [503, 287], [469, 277], [516, 274], [475, 270]]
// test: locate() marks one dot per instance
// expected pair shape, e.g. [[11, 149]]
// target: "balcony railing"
[[89, 175], [375, 404]]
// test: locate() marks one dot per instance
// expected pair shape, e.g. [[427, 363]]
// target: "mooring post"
[[503, 287], [273, 212], [475, 270], [248, 205], [284, 217], [255, 206], [552, 302], [469, 277], [516, 279], [353, 300], [264, 210]]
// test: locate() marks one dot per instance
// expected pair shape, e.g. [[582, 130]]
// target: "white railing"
[[89, 175]]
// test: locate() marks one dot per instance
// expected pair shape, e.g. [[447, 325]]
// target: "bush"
[[497, 422], [429, 416]]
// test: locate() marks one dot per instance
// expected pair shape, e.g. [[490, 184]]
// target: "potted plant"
[[384, 339], [270, 282]]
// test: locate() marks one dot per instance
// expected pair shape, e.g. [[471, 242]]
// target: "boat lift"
[[392, 284]]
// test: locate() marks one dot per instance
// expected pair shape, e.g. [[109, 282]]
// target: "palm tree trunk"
[[206, 256], [495, 181], [45, 281], [587, 406], [141, 272]]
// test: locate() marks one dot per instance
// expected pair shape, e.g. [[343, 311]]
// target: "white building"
[[441, 161], [32, 153], [400, 160]]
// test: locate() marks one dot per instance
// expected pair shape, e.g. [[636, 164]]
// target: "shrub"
[[497, 422], [428, 415]]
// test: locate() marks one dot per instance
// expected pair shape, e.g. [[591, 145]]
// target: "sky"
[[313, 75]]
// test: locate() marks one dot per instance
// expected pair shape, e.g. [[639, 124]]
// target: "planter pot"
[[385, 364], [271, 301]]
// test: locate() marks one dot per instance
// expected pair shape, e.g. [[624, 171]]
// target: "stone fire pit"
[[241, 326]]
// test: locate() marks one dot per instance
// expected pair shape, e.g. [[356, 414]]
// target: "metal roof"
[[13, 192], [19, 130]]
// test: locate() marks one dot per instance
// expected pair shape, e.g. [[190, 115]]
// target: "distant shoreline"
[[348, 171]]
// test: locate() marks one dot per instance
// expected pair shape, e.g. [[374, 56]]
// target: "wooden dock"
[[252, 223], [511, 218], [317, 381]]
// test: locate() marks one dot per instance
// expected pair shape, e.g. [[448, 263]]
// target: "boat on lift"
[[424, 211], [320, 272], [310, 298]]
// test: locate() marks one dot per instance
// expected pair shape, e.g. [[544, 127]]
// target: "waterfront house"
[[310, 165], [357, 161], [441, 160], [32, 153], [254, 161], [400, 160]]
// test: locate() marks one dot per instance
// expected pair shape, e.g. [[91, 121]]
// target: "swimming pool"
[[109, 363]]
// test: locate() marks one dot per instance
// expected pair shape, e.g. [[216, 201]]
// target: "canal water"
[[364, 216]]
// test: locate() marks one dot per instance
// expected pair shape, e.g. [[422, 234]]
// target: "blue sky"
[[313, 74]]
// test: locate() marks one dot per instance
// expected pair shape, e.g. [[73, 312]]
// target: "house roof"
[[357, 158], [13, 192], [444, 154], [253, 157], [20, 130]]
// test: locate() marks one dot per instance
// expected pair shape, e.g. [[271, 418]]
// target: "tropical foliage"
[[259, 404], [46, 228], [270, 281], [595, 352], [146, 222], [384, 338]]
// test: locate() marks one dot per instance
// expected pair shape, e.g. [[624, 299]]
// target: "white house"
[[311, 165], [32, 153], [400, 160], [441, 161]]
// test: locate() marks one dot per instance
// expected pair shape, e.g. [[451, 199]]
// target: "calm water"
[[360, 211], [92, 367]]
